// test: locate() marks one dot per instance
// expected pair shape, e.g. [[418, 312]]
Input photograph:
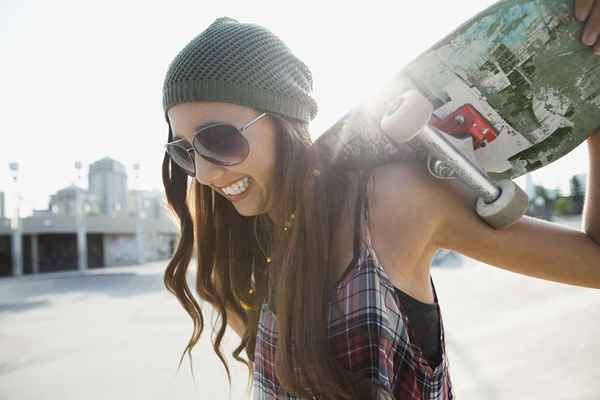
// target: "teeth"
[[238, 187]]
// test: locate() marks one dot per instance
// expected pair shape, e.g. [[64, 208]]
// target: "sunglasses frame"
[[193, 149]]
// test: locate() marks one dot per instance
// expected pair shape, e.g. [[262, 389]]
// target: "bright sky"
[[82, 80]]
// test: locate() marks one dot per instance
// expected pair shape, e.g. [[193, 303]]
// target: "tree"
[[541, 205], [577, 195], [561, 207], [541, 191], [576, 188]]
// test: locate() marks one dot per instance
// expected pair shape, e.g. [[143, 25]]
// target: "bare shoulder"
[[404, 196], [401, 196]]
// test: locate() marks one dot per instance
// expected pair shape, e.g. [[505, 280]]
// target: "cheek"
[[262, 152]]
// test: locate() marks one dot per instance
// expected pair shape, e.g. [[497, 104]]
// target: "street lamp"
[[17, 230], [139, 231], [82, 264], [14, 170]]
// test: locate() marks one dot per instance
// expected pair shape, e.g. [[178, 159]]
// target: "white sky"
[[82, 80]]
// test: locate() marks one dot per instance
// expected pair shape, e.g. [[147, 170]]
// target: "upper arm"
[[417, 212], [530, 246]]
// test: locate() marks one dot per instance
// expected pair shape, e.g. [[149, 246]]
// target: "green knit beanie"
[[243, 64]]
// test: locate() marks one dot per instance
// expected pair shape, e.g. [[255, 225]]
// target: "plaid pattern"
[[369, 334]]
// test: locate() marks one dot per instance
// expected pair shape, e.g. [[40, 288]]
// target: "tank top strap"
[[361, 215], [358, 230], [364, 220], [435, 298]]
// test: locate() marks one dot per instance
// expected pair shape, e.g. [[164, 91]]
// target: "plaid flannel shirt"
[[368, 333]]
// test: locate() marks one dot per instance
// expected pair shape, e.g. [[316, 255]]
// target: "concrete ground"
[[117, 333]]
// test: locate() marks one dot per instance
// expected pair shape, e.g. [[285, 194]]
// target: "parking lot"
[[117, 333]]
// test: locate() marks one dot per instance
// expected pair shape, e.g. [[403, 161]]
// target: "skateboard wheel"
[[506, 209], [405, 118]]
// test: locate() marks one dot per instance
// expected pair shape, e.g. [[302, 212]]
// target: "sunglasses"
[[219, 143]]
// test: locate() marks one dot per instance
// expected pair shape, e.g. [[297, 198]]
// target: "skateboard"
[[510, 91]]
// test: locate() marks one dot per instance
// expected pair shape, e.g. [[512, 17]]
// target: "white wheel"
[[405, 118], [506, 209]]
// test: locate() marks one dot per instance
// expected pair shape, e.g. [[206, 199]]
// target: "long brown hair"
[[297, 283]]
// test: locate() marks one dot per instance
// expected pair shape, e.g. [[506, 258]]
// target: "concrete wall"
[[5, 226], [121, 249], [94, 224], [157, 246], [115, 237]]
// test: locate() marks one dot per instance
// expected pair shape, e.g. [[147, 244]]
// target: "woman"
[[305, 261]]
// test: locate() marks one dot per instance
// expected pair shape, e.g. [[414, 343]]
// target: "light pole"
[[530, 186], [17, 229], [139, 230], [82, 264]]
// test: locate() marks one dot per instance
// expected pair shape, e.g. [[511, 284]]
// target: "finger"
[[592, 26], [583, 8]]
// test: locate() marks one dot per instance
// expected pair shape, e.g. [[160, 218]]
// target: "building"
[[64, 202], [107, 182], [50, 242], [2, 205], [108, 231], [5, 247], [152, 203]]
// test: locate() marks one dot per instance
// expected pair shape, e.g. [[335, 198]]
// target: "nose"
[[206, 172]]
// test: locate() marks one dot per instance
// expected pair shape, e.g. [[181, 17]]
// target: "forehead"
[[187, 118]]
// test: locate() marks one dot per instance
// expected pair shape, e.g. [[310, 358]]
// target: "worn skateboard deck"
[[515, 81]]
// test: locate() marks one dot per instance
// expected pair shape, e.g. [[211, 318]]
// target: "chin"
[[246, 210], [245, 213], [252, 212]]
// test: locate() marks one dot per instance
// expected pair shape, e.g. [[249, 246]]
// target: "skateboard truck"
[[465, 122], [499, 204]]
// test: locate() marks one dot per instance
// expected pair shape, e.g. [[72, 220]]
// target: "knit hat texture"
[[243, 64]]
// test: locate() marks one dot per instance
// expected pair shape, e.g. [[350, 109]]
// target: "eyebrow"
[[204, 125]]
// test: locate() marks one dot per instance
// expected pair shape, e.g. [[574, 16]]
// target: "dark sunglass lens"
[[182, 158], [223, 144]]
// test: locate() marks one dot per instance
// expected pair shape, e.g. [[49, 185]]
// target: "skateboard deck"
[[514, 83]]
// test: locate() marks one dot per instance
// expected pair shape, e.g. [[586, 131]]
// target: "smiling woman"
[[323, 272], [281, 235]]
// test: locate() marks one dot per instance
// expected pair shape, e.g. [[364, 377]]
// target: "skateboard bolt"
[[459, 119]]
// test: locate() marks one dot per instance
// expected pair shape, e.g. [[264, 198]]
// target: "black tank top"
[[426, 324]]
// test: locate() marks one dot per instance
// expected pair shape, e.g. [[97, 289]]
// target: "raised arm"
[[591, 211], [423, 212], [530, 246]]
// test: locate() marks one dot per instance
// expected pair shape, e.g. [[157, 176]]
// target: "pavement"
[[116, 333]]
